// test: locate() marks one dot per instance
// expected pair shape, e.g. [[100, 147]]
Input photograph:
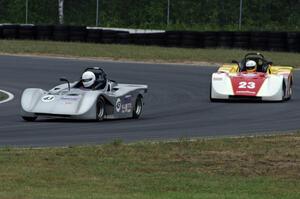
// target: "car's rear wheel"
[[138, 108], [29, 119], [100, 109], [290, 92], [284, 92]]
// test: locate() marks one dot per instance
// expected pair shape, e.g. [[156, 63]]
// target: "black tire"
[[100, 112], [138, 108], [109, 36], [284, 92], [10, 31], [78, 33], [61, 33], [27, 32], [44, 32], [290, 92], [1, 31], [29, 119], [94, 35]]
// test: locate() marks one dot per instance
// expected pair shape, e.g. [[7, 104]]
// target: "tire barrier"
[[61, 33], [259, 40], [225, 39], [1, 32], [94, 35], [271, 41], [192, 40], [27, 32], [241, 40], [44, 32], [138, 39], [77, 33], [210, 39], [10, 31], [293, 41], [123, 37], [157, 39], [109, 37], [173, 38], [277, 41]]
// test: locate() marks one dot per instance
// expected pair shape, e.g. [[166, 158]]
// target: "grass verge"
[[246, 168], [138, 53], [3, 96]]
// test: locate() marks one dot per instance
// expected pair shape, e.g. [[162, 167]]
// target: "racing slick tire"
[[290, 92], [138, 108], [29, 119], [100, 112], [284, 93]]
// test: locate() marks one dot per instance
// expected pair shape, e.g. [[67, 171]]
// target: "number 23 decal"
[[250, 85]]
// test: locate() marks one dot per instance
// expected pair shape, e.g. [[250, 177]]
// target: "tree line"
[[184, 14]]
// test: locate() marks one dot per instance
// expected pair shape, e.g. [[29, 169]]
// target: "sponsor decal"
[[127, 104], [48, 98], [249, 74], [70, 98], [126, 108], [118, 105], [245, 92], [217, 78]]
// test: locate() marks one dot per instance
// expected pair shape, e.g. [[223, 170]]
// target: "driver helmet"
[[88, 79], [251, 66]]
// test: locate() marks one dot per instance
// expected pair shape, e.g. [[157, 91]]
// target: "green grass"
[[233, 168], [3, 96], [138, 53]]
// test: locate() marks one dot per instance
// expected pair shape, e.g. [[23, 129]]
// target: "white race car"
[[107, 100], [268, 83]]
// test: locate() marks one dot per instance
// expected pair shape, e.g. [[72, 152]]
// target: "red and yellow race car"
[[253, 78]]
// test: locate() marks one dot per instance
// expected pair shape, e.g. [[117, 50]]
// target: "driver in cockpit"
[[251, 66], [88, 80], [92, 81]]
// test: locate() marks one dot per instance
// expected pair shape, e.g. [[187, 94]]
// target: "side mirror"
[[63, 79]]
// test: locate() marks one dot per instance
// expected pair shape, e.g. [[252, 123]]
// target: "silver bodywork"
[[80, 103]]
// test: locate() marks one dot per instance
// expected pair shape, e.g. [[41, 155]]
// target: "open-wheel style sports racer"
[[93, 97], [254, 78]]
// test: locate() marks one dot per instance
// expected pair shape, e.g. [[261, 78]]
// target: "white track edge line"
[[10, 96]]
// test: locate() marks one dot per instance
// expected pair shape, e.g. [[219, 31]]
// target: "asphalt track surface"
[[177, 105]]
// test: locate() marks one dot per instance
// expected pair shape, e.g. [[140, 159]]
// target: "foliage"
[[185, 14]]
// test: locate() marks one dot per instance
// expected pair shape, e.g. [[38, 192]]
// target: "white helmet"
[[88, 79], [251, 66]]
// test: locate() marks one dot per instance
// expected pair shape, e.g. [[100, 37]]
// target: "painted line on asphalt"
[[10, 96]]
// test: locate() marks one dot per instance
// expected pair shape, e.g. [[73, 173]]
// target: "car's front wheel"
[[138, 107], [290, 91]]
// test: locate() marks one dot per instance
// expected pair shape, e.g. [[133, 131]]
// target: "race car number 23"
[[250, 85]]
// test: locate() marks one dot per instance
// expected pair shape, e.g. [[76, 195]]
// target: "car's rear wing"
[[229, 68], [275, 70]]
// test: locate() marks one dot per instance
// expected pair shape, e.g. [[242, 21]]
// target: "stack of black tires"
[[271, 41]]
